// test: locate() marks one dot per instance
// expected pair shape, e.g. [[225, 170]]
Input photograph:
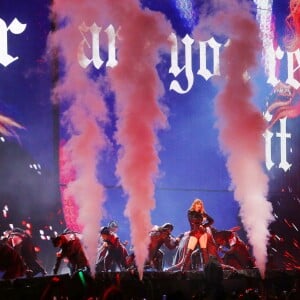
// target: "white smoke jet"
[[241, 125]]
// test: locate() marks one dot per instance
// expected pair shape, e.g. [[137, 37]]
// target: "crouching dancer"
[[71, 249], [160, 235]]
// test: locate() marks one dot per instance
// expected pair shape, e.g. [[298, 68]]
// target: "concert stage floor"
[[242, 284]]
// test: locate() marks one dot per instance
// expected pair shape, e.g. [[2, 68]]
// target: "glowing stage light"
[[295, 227], [296, 243], [55, 279], [82, 279], [5, 211]]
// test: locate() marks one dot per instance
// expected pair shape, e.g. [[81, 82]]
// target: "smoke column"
[[67, 174], [137, 89], [86, 109], [241, 125]]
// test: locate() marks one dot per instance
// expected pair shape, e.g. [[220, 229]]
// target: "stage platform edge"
[[153, 286]]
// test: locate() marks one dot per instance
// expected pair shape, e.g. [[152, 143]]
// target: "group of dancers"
[[192, 249]]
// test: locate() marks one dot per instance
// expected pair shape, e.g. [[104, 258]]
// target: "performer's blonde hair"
[[197, 201]]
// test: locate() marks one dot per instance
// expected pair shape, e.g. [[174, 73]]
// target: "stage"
[[241, 284]]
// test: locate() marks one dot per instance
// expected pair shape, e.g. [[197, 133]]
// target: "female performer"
[[198, 220]]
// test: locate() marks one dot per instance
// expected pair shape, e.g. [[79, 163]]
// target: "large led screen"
[[130, 110]]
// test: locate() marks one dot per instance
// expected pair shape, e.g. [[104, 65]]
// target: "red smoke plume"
[[141, 34], [241, 125], [138, 89], [86, 109]]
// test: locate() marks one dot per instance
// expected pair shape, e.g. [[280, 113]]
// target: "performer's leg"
[[196, 259], [187, 260], [158, 260], [187, 257], [204, 255], [203, 248]]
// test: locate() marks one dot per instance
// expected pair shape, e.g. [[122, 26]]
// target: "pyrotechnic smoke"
[[241, 125], [137, 88], [86, 109], [141, 34], [69, 206]]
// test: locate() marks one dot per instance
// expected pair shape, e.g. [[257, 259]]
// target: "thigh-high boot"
[[187, 260], [204, 255]]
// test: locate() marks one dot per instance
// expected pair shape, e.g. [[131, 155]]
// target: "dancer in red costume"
[[112, 254], [160, 235], [21, 240], [71, 249]]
